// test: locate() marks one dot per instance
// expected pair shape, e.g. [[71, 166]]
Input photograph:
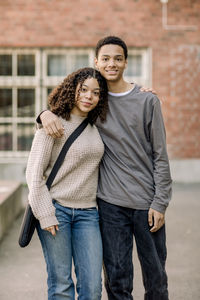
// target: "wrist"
[[44, 115]]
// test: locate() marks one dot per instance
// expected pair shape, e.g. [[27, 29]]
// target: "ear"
[[126, 63], [96, 63]]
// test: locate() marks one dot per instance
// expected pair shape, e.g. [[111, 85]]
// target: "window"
[[139, 66], [17, 108], [5, 65], [58, 63], [6, 102], [27, 76], [134, 67], [25, 65], [19, 100], [25, 102], [63, 64]]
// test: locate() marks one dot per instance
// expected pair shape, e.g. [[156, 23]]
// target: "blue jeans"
[[118, 226], [79, 239]]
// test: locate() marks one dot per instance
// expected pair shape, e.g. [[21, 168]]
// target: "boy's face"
[[111, 62]]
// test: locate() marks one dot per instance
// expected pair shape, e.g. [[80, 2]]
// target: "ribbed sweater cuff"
[[48, 221], [159, 207]]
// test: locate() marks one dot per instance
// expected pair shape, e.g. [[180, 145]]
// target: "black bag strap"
[[64, 150]]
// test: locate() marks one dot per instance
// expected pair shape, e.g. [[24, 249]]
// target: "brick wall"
[[175, 51]]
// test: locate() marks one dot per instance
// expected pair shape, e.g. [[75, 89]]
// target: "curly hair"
[[63, 98], [114, 40]]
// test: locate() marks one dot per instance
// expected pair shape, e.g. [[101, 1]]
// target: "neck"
[[78, 113], [119, 87]]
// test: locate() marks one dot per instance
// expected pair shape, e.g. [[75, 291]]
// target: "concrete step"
[[10, 204]]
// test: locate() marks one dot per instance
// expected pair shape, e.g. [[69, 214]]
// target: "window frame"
[[53, 81], [146, 78], [41, 82], [14, 83]]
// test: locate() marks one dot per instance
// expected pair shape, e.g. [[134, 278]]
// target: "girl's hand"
[[145, 89], [52, 229]]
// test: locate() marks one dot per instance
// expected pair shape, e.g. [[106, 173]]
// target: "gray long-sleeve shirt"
[[134, 171]]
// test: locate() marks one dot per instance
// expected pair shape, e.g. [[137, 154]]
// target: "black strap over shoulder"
[[64, 150]]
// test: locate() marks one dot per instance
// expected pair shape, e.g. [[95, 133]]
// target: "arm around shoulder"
[[51, 124]]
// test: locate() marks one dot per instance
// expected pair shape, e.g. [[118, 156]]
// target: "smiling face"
[[111, 62], [87, 97]]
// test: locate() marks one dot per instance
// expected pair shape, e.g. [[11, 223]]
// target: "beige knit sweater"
[[75, 184]]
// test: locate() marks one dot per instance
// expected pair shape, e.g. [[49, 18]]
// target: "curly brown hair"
[[63, 98]]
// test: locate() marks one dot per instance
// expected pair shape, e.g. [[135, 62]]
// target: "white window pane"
[[134, 67], [26, 65], [5, 137], [5, 65], [26, 102], [56, 65], [5, 102], [79, 61], [25, 134], [49, 90]]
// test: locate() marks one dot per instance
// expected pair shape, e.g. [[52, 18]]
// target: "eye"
[[83, 89], [105, 59], [96, 93]]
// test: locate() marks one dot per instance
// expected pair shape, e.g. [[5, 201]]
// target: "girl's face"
[[87, 97]]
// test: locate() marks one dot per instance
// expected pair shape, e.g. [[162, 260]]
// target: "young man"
[[134, 184]]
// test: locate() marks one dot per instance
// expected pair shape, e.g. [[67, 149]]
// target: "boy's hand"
[[52, 124], [155, 219], [145, 89]]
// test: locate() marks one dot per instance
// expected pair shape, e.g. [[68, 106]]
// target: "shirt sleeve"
[[162, 176], [39, 196], [38, 121]]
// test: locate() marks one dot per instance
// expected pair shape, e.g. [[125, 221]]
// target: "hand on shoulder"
[[52, 125], [146, 89]]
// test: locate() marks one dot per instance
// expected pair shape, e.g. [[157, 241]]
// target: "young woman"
[[68, 219]]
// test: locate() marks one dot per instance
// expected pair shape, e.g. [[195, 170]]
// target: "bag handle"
[[64, 150]]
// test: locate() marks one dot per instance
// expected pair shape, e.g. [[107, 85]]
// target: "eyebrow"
[[114, 55], [87, 86]]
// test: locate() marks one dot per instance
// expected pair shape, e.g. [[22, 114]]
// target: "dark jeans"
[[118, 225]]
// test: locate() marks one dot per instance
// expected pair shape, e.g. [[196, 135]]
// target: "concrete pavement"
[[23, 275]]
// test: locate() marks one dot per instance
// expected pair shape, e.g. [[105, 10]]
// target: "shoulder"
[[41, 138], [147, 97], [40, 133], [94, 127]]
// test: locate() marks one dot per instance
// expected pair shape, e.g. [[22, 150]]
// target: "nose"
[[111, 62], [89, 94]]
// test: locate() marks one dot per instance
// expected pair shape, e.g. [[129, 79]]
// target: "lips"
[[111, 72], [88, 104]]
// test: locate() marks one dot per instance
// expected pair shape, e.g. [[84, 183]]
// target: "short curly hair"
[[63, 98], [114, 40]]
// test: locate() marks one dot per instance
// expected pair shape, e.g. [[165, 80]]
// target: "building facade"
[[43, 41]]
